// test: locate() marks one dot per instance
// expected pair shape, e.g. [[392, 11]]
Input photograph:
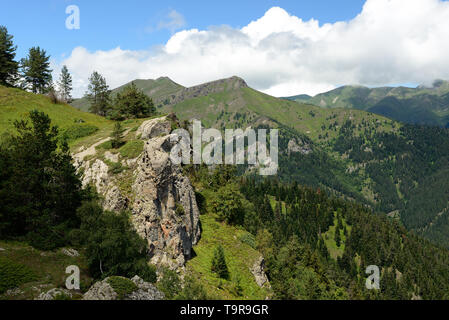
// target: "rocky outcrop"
[[55, 294], [258, 271], [157, 189], [298, 146], [103, 290]]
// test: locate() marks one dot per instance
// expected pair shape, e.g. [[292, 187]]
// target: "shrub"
[[122, 286], [179, 209], [78, 131], [169, 284], [249, 239], [13, 275]]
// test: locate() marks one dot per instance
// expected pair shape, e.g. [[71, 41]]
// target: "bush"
[[78, 131], [249, 239], [13, 275], [122, 286], [169, 284], [113, 247]]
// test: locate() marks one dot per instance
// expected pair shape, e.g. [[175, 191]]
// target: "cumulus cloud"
[[174, 21], [389, 42]]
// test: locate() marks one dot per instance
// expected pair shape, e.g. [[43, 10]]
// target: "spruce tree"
[[8, 66], [36, 71], [337, 237], [219, 263], [98, 94], [65, 85]]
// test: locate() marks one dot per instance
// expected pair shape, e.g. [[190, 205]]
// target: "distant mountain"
[[421, 105], [400, 170], [159, 90]]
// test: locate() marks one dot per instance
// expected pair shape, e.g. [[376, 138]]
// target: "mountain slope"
[[159, 90], [421, 105], [16, 103]]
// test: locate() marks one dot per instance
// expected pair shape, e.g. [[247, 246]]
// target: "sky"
[[279, 47]]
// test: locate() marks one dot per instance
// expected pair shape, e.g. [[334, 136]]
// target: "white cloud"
[[390, 41]]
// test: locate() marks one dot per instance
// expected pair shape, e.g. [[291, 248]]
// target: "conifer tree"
[[219, 263], [36, 71], [8, 66], [65, 85], [117, 138], [98, 94]]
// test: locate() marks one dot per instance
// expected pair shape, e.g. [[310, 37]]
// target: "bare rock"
[[159, 186], [70, 252], [102, 290], [300, 146], [258, 270], [154, 128], [53, 293], [111, 156]]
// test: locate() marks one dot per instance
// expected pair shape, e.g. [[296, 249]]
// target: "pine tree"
[[36, 71], [132, 103], [337, 237], [117, 138], [98, 94], [219, 263], [8, 66], [65, 85]]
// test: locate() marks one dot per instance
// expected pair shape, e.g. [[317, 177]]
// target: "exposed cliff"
[[162, 201]]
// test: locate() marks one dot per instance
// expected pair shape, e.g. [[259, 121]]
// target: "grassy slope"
[[261, 108], [157, 89], [240, 257], [15, 104], [49, 268]]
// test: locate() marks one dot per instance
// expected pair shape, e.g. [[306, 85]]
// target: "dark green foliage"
[[117, 136], [8, 66], [79, 131], [36, 71], [227, 204], [112, 245], [193, 290], [122, 286], [39, 191], [132, 103], [219, 263], [170, 284], [98, 94], [13, 275], [179, 209]]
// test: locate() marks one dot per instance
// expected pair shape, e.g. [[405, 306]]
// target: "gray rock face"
[[159, 187], [258, 270], [102, 290], [53, 293], [70, 252], [154, 128], [301, 147]]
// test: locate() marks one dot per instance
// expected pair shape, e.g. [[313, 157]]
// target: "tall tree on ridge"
[[98, 94], [8, 66], [36, 70]]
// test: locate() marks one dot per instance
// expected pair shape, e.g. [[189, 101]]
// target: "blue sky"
[[133, 24], [273, 45]]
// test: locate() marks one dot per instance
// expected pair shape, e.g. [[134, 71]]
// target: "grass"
[[132, 149], [15, 104], [38, 270], [329, 239], [240, 257]]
